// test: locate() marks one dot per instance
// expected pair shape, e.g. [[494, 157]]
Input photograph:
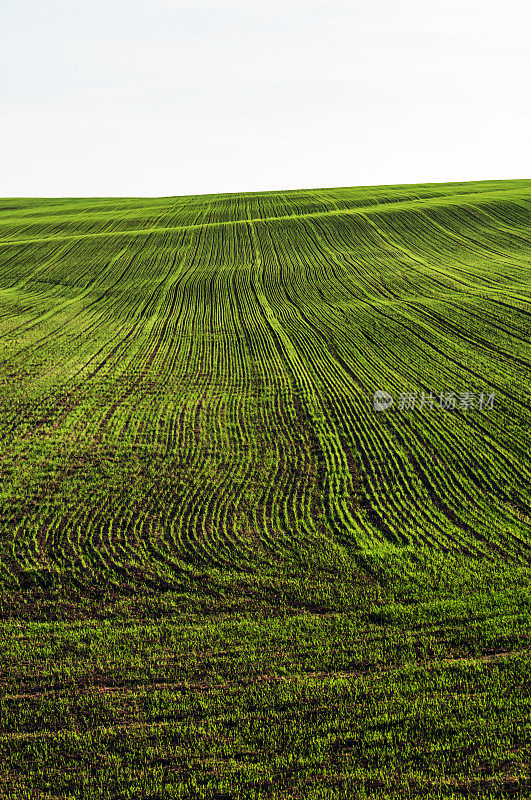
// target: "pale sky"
[[173, 97]]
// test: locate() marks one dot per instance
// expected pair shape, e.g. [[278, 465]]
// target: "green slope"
[[187, 428], [187, 382]]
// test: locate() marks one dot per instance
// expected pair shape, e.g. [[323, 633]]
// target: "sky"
[[175, 97]]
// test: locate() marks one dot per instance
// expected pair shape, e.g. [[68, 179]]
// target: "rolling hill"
[[226, 572]]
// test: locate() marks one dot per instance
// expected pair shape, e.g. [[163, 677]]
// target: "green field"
[[225, 574]]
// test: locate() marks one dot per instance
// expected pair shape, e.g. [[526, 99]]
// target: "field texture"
[[224, 573]]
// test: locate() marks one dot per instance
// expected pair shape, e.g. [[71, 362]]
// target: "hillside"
[[219, 559]]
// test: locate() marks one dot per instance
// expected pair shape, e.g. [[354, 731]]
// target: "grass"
[[224, 574]]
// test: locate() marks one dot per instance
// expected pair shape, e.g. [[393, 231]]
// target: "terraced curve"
[[186, 383]]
